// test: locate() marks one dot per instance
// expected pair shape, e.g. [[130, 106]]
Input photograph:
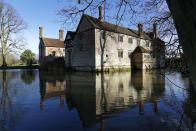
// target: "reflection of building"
[[52, 87], [80, 94], [101, 96], [146, 83]]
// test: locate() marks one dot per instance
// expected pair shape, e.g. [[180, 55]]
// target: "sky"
[[44, 13], [38, 13]]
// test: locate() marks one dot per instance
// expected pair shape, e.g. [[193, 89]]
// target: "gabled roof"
[[96, 23], [49, 42], [71, 34], [140, 49]]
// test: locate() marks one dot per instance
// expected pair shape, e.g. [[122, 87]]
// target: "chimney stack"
[[40, 32], [100, 14], [140, 29], [155, 30], [61, 35]]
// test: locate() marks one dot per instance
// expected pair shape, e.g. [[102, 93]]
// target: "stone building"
[[50, 49], [68, 46], [141, 58], [99, 45]]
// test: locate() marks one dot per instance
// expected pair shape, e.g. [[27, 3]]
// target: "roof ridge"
[[107, 22], [87, 16], [140, 49], [109, 26]]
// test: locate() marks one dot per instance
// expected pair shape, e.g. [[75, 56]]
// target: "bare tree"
[[176, 21], [131, 12], [11, 25]]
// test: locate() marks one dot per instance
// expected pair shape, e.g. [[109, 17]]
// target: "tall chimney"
[[140, 29], [155, 30], [61, 35], [100, 14], [41, 32]]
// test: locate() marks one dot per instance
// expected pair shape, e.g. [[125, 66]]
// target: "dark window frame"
[[130, 40], [120, 53], [120, 38]]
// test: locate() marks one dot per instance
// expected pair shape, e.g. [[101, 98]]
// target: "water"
[[44, 101]]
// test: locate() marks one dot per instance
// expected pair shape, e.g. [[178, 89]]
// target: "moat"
[[31, 100]]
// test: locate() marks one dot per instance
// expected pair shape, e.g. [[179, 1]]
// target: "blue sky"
[[44, 13], [38, 13]]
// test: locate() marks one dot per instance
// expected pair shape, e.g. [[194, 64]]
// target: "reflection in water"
[[28, 76], [6, 114], [105, 95], [101, 96], [190, 106], [138, 100], [51, 88], [148, 86], [5, 103]]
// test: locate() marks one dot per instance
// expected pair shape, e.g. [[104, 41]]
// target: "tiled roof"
[[48, 42], [140, 49], [114, 28]]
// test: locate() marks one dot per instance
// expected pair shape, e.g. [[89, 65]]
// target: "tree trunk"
[[4, 63], [183, 12]]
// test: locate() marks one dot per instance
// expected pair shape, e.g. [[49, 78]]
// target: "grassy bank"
[[20, 67]]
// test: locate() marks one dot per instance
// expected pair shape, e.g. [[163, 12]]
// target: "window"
[[138, 42], [120, 86], [147, 56], [120, 38], [81, 47], [147, 44], [130, 40], [120, 53]]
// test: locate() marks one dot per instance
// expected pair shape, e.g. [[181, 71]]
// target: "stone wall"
[[59, 52], [110, 58], [82, 55], [94, 49], [143, 61], [46, 57]]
